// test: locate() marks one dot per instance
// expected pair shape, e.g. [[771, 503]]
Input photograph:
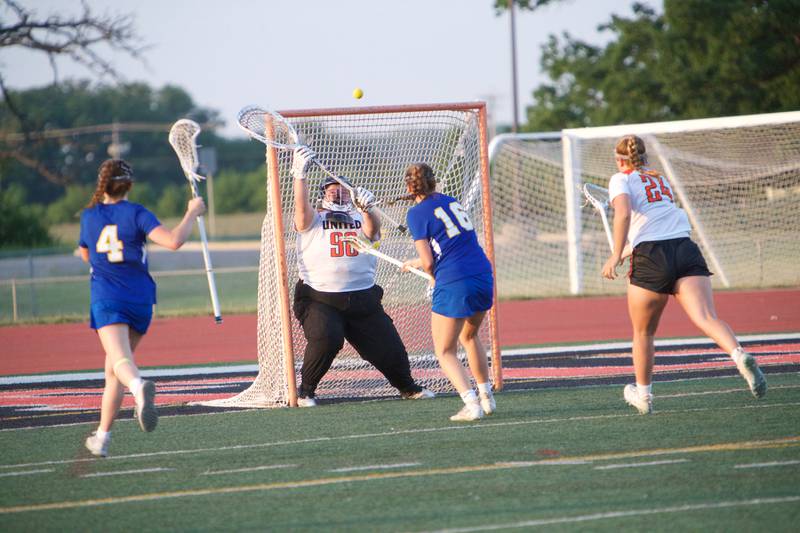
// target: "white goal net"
[[372, 147], [738, 178]]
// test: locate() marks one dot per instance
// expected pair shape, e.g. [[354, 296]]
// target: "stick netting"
[[740, 185], [373, 151]]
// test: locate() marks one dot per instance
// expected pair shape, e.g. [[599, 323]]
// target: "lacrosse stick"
[[598, 197], [182, 137], [367, 247], [255, 120]]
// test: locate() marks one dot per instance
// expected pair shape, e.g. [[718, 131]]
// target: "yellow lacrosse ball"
[[358, 93]]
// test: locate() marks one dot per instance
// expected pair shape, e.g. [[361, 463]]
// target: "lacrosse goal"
[[738, 179], [372, 146]]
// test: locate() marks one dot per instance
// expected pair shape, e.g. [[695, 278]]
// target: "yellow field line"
[[732, 446]]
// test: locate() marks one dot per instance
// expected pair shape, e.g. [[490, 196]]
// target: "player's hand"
[[196, 207], [300, 158], [610, 268], [364, 199], [410, 264]]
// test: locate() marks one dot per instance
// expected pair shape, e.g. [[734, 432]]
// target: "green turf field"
[[711, 458]]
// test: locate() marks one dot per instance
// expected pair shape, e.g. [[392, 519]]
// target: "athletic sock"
[[485, 388], [644, 391], [102, 435], [469, 396], [135, 386], [737, 353]]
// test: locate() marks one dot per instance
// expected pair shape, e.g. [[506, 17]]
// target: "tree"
[[79, 38], [700, 58]]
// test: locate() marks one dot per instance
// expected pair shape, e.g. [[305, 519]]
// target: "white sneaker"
[[97, 446], [749, 370], [306, 401], [423, 394], [471, 411], [644, 406], [487, 403], [145, 410]]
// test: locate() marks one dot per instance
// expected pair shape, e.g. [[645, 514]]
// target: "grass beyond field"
[[710, 458]]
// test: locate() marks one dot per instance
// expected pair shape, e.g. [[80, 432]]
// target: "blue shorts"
[[464, 297], [107, 312]]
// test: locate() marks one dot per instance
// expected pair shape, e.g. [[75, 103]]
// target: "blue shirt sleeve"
[[146, 221], [417, 224], [82, 237]]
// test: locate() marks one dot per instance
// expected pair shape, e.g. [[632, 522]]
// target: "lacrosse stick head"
[[596, 195], [182, 138], [269, 127]]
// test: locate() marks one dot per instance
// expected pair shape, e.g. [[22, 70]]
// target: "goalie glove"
[[300, 158], [364, 199]]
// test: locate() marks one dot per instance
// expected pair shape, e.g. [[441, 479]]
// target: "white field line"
[[459, 427], [376, 476], [764, 465], [374, 467], [637, 465], [689, 342], [128, 472], [27, 472], [725, 391], [624, 514], [251, 469]]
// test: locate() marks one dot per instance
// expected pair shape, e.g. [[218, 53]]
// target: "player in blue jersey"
[[448, 249], [112, 241]]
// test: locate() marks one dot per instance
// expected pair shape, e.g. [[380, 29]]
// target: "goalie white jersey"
[[327, 263], [654, 215]]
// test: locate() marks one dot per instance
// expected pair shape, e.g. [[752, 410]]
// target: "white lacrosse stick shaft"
[[367, 248], [182, 137], [598, 197]]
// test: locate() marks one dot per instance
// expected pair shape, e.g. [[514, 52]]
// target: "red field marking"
[[196, 340]]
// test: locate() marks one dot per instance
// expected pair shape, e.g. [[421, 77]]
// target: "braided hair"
[[631, 148], [420, 180], [114, 178]]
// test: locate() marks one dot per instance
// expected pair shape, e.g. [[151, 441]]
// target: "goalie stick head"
[[268, 127]]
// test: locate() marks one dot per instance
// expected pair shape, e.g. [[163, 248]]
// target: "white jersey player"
[[336, 297], [664, 261]]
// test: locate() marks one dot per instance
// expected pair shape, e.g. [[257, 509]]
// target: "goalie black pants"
[[329, 318]]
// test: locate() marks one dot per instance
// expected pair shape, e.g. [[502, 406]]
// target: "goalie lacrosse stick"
[[282, 135], [598, 197], [367, 247], [182, 137]]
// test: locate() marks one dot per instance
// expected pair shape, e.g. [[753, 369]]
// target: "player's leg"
[[644, 308], [478, 362], [695, 296], [445, 331], [323, 327]]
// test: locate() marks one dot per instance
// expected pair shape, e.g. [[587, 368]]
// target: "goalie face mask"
[[335, 197]]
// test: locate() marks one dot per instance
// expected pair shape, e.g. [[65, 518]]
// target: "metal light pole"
[[515, 124]]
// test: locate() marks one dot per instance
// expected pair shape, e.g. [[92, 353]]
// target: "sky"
[[294, 54]]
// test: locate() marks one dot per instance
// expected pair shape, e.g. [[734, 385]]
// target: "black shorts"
[[657, 265]]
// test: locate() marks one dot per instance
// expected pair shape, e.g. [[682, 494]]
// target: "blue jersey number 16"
[[460, 214]]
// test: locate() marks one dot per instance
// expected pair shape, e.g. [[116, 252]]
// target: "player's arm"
[[175, 238], [364, 201], [425, 260], [84, 252], [622, 222], [303, 211]]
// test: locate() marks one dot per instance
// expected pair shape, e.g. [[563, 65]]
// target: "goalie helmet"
[[339, 201]]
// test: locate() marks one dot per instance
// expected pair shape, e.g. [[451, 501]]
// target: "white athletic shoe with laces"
[[306, 401], [487, 403], [145, 409], [644, 406], [423, 394], [748, 368], [471, 411], [97, 446]]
